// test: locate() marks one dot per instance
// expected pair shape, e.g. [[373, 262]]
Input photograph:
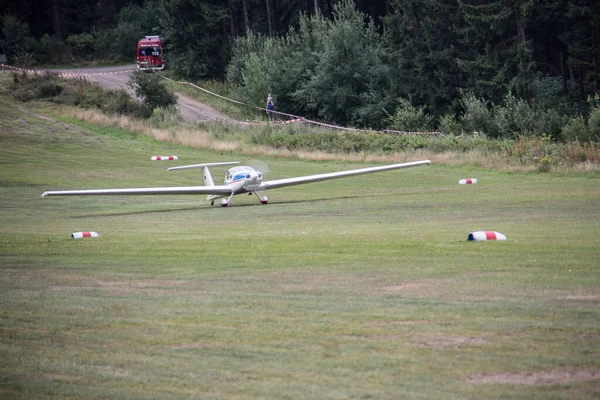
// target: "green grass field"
[[357, 288]]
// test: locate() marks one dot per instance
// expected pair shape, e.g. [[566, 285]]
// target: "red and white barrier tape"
[[296, 116], [36, 71], [291, 121], [98, 73], [20, 69]]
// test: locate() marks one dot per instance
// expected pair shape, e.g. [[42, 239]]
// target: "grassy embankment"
[[299, 140], [363, 287]]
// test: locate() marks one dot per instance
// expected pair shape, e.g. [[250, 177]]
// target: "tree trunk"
[[563, 71], [246, 22], [268, 3], [524, 64], [232, 20], [316, 7], [56, 19]]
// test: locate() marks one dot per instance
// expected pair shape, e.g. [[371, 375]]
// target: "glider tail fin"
[[207, 177]]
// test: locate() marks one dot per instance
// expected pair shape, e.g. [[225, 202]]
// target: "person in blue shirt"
[[270, 108]]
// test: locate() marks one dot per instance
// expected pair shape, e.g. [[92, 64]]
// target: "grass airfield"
[[356, 288]]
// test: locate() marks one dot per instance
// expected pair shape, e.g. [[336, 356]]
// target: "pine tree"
[[421, 40], [583, 44], [197, 33], [496, 52]]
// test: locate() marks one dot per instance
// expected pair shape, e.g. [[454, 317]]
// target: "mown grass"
[[356, 288]]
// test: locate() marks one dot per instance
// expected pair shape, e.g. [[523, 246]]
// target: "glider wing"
[[336, 175], [217, 190]]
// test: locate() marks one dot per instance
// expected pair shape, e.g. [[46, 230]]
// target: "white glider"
[[238, 180]]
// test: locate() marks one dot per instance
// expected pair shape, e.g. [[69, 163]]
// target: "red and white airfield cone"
[[482, 236], [79, 235], [163, 158], [469, 181]]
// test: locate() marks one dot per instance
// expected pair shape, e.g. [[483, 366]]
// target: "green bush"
[[118, 102], [24, 59], [48, 89], [35, 86], [575, 130], [450, 126], [92, 96], [82, 45], [24, 94], [477, 116], [75, 91], [150, 89], [52, 50], [515, 118], [163, 117], [551, 122], [594, 118], [410, 119]]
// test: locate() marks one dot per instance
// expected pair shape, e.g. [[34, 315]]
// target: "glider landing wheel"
[[263, 200]]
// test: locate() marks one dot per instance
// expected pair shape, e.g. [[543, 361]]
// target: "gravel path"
[[110, 78]]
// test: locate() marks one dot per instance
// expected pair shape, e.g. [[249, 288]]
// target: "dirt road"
[[117, 78]]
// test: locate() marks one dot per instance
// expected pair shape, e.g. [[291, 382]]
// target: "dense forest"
[[500, 67]]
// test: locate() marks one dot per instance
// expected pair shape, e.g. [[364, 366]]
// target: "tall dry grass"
[[523, 156]]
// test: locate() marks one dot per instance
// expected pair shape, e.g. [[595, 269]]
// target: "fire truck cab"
[[150, 54]]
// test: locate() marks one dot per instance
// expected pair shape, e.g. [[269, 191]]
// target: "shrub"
[[52, 50], [594, 118], [575, 130], [515, 118], [551, 122], [82, 45], [409, 118], [92, 96], [450, 126], [24, 59], [477, 116], [48, 89], [545, 164], [29, 87], [118, 102], [151, 90], [74, 92], [24, 94], [165, 116]]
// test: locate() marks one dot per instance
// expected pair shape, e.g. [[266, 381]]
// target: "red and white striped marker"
[[80, 235], [291, 121], [163, 158], [482, 236], [467, 181]]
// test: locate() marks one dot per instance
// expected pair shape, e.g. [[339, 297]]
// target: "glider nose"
[[256, 177]]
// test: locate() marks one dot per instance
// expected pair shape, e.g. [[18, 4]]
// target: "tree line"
[[499, 67]]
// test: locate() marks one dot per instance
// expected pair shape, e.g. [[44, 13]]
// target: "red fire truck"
[[150, 54]]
